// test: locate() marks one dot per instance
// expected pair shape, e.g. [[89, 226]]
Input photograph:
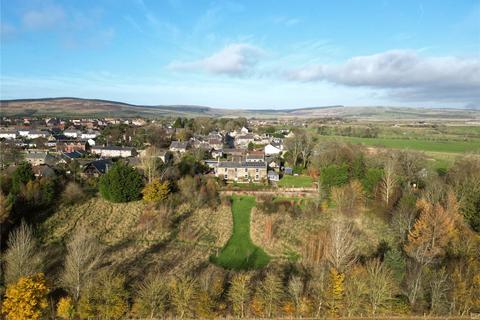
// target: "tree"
[[121, 183], [156, 191], [150, 298], [150, 162], [427, 241], [22, 257], [183, 296], [388, 183], [334, 175], [355, 290], [270, 293], [65, 308], [104, 297], [81, 262], [335, 291], [239, 293], [6, 205], [27, 298], [341, 251], [22, 175], [379, 284]]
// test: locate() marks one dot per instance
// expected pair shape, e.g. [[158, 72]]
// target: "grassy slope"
[[295, 181], [240, 253]]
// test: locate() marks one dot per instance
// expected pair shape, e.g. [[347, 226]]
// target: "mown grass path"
[[240, 253]]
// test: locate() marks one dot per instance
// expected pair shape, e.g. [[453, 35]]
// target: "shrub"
[[156, 191], [72, 194], [122, 183]]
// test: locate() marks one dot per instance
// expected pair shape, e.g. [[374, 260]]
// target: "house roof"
[[114, 148], [99, 165], [179, 145], [231, 164]]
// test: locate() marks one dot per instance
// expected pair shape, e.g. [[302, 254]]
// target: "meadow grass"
[[295, 182], [240, 253], [413, 144]]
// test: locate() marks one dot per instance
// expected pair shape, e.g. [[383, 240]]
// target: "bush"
[[73, 193], [156, 191], [122, 183], [21, 176]]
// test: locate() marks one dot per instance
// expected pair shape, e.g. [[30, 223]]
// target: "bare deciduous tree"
[[22, 258], [379, 284], [149, 162], [151, 297], [388, 184], [341, 251], [184, 296], [81, 262]]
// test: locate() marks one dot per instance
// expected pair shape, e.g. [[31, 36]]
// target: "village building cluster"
[[242, 155]]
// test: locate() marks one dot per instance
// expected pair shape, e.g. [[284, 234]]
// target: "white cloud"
[[45, 17], [235, 60], [405, 74]]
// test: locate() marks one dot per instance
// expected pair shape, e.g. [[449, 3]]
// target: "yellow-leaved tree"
[[65, 308], [156, 191], [336, 291], [26, 299]]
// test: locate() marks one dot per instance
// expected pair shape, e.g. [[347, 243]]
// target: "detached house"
[[244, 139]]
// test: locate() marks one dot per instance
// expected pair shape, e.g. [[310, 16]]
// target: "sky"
[[243, 54]]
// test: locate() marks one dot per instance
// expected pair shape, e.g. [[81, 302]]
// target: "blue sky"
[[244, 54]]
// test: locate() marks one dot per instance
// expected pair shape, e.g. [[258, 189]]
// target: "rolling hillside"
[[105, 108]]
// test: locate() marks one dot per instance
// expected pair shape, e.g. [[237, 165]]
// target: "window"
[[256, 170], [246, 169], [225, 176], [256, 177]]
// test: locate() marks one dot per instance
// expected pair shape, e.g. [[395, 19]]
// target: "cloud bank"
[[405, 75], [236, 59]]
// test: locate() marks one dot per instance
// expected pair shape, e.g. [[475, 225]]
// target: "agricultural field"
[[240, 253]]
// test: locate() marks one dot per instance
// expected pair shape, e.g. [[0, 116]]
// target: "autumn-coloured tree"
[[465, 288], [336, 290], [239, 293], [348, 199], [104, 297], [26, 299], [429, 237], [65, 308], [156, 191], [295, 290]]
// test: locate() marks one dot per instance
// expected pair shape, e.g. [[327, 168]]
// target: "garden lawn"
[[295, 182], [240, 253]]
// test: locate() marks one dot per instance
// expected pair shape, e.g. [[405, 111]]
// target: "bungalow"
[[241, 171], [178, 146], [90, 134], [72, 133], [114, 151], [43, 170]]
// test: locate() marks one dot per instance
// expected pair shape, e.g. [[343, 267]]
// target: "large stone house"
[[241, 171]]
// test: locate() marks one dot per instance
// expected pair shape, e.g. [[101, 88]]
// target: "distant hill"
[[67, 106]]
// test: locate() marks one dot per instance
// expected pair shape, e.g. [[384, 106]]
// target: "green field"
[[240, 253], [295, 182], [413, 144]]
